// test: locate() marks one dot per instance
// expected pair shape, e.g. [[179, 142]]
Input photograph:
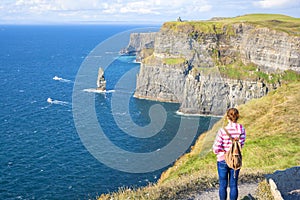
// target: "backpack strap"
[[230, 137]]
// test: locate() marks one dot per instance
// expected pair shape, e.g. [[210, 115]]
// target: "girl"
[[221, 145]]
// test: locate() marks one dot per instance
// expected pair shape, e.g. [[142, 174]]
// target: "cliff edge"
[[139, 45]]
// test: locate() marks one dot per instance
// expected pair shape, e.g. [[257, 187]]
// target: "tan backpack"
[[233, 157]]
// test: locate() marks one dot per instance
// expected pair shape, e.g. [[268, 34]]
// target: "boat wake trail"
[[63, 103], [92, 90], [56, 78]]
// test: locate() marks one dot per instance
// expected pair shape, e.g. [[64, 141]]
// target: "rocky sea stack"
[[101, 82]]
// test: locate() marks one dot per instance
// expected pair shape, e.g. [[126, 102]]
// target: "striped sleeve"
[[243, 136], [223, 143], [218, 143]]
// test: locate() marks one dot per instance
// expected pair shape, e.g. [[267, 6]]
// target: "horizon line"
[[83, 23]]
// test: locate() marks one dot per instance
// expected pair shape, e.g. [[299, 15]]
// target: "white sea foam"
[[92, 90], [56, 78], [139, 62], [63, 103], [111, 52], [188, 115], [195, 115], [120, 114]]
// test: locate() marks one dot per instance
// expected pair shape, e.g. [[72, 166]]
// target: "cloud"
[[20, 11], [204, 8], [276, 4], [139, 7], [171, 8]]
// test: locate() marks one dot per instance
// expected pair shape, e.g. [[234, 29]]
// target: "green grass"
[[264, 191], [273, 131], [174, 61], [273, 21], [168, 61], [290, 75], [192, 27], [278, 22], [238, 70], [273, 128]]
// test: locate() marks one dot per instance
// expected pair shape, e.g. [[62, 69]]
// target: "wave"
[[127, 59], [111, 52], [92, 90], [56, 78], [135, 61], [195, 115], [63, 103], [120, 114]]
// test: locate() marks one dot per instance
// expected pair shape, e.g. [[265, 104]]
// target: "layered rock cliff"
[[190, 64], [138, 45]]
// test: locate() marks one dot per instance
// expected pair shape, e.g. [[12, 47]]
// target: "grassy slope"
[[273, 129], [283, 23]]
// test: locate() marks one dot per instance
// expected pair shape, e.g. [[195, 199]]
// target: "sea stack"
[[101, 82]]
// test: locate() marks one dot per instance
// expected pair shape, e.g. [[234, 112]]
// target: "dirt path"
[[244, 190]]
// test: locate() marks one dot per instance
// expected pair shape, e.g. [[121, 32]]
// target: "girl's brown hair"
[[233, 114]]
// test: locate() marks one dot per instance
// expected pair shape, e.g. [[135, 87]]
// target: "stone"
[[101, 82], [285, 183]]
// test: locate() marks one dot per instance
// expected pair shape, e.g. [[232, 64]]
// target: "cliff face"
[[184, 66], [139, 42], [214, 95], [269, 49]]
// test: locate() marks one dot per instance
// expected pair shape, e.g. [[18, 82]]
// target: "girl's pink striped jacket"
[[223, 143]]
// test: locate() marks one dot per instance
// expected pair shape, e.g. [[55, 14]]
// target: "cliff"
[[209, 66], [139, 45]]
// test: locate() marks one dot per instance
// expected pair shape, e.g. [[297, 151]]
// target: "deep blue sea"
[[42, 156]]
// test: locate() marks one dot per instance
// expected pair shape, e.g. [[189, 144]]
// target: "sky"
[[135, 11]]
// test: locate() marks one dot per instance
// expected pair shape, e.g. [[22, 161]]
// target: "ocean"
[[43, 152]]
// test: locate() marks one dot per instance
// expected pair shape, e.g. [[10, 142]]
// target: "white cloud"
[[276, 3], [78, 4], [135, 10], [157, 7], [57, 5], [204, 8], [139, 7]]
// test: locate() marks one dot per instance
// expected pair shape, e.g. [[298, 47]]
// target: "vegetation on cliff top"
[[278, 22], [273, 128], [240, 71], [174, 61]]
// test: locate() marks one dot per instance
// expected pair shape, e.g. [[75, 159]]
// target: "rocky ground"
[[287, 183], [246, 189]]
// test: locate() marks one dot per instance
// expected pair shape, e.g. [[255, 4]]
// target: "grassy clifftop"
[[278, 22], [273, 129]]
